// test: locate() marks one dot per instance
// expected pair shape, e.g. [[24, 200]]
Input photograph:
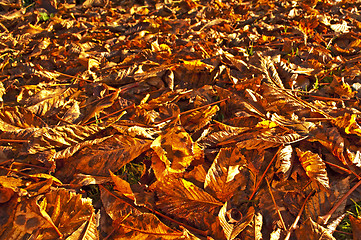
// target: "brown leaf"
[[253, 230], [13, 118], [184, 200], [348, 122], [62, 136], [322, 202], [109, 154], [313, 231], [57, 213], [284, 162], [122, 186], [131, 223], [198, 119], [356, 227]]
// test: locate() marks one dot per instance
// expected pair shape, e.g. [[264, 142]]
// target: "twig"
[[316, 119], [70, 76], [125, 217], [277, 209], [298, 217], [328, 98], [21, 173], [324, 219], [338, 167], [111, 114], [192, 110], [263, 175], [14, 140]]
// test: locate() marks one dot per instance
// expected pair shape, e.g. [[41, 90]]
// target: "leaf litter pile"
[[179, 119]]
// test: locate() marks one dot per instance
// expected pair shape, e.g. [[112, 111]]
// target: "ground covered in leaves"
[[179, 119]]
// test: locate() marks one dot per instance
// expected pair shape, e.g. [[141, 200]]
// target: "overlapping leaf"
[[131, 223], [200, 105]]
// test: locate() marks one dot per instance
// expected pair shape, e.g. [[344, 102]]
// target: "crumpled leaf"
[[284, 162], [348, 123], [198, 119], [55, 214], [46, 104], [63, 136], [253, 230], [322, 202], [13, 118], [331, 138], [176, 149]]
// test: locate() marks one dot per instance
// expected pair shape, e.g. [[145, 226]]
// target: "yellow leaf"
[[122, 186], [196, 65], [314, 166], [176, 149], [266, 124]]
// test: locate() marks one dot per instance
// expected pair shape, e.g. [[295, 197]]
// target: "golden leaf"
[[181, 198], [109, 154], [176, 149], [314, 166], [122, 186], [227, 174]]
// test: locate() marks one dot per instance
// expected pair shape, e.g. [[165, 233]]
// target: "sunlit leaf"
[[183, 199], [58, 213], [13, 118], [109, 154], [348, 123], [227, 173], [63, 136], [284, 162], [314, 166], [51, 102], [122, 186], [176, 149], [131, 223], [198, 119]]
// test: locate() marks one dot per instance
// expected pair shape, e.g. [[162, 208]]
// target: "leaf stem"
[[193, 110]]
